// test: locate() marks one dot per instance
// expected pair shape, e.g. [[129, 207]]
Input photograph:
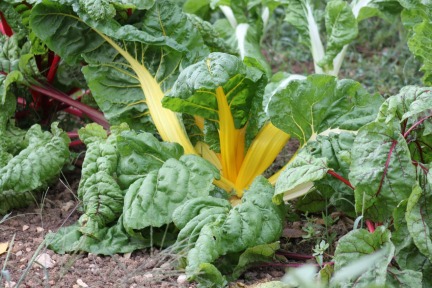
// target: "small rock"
[[39, 229], [51, 282], [25, 227], [19, 253], [76, 286], [166, 266], [66, 206], [148, 275], [44, 260], [28, 249], [81, 283], [182, 278], [127, 255], [10, 284]]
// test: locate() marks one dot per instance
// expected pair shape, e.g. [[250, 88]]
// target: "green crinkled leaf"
[[6, 81], [335, 149], [381, 170], [407, 254], [210, 276], [34, 167], [107, 241], [359, 243], [405, 111], [404, 278], [7, 111], [163, 40], [419, 216], [98, 188], [254, 222], [102, 200], [298, 177], [91, 133], [259, 253], [141, 154], [398, 107], [308, 107], [194, 214], [151, 200], [98, 9], [194, 91], [108, 86], [419, 44], [341, 26]]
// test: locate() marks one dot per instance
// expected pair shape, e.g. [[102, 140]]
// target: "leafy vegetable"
[[126, 188], [32, 168], [254, 222]]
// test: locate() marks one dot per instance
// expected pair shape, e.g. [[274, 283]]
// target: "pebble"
[[28, 249], [148, 275], [19, 253], [39, 229], [10, 284], [182, 278], [166, 266], [25, 227], [81, 283], [127, 255], [44, 261]]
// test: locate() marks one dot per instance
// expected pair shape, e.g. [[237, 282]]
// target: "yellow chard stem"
[[166, 121], [260, 155], [228, 137]]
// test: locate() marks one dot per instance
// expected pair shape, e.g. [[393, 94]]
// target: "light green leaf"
[[162, 41], [259, 253], [309, 107], [194, 214], [341, 26], [151, 200], [98, 9], [407, 254], [194, 91], [107, 241], [404, 278], [6, 81], [359, 243], [98, 188], [381, 170], [418, 217], [140, 154], [297, 179], [418, 45], [254, 222], [102, 200], [34, 167]]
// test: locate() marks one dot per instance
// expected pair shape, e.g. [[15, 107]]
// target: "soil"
[[25, 229]]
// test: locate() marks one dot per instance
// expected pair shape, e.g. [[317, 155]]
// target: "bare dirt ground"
[[31, 264]]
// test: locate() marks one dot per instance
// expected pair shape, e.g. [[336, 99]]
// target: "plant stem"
[[5, 29], [415, 125], [295, 264], [53, 68], [93, 114], [75, 143], [394, 143], [295, 256], [370, 225], [337, 176]]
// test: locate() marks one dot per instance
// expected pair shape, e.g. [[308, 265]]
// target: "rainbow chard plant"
[[164, 72]]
